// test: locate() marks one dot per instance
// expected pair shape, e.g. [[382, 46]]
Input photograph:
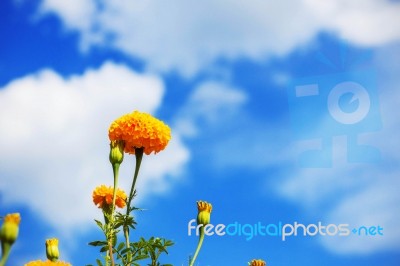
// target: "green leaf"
[[99, 223], [104, 249], [120, 246], [97, 243], [124, 251]]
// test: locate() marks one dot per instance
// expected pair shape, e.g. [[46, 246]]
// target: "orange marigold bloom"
[[257, 263], [47, 263], [103, 196], [140, 130]]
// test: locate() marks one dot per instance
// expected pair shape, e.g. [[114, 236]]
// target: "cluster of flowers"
[[135, 133]]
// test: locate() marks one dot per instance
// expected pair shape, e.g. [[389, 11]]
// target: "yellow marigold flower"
[[103, 196], [203, 216], [52, 251], [257, 263], [140, 130], [10, 228], [47, 263]]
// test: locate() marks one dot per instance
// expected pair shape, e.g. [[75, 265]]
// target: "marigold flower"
[[140, 130], [257, 263], [203, 216], [52, 251], [103, 196], [10, 228], [47, 263]]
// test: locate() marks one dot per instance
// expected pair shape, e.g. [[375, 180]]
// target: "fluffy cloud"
[[55, 145], [210, 103], [189, 35], [361, 22]]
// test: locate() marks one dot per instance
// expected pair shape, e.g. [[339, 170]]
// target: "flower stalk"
[[139, 156], [199, 244], [203, 218], [116, 158]]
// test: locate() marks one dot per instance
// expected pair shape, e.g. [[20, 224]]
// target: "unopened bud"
[[203, 216], [10, 228], [117, 151], [52, 252]]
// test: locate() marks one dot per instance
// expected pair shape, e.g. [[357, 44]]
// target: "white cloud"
[[55, 145], [189, 35], [210, 102], [377, 204], [362, 22]]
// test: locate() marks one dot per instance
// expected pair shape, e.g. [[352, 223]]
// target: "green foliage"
[[122, 254]]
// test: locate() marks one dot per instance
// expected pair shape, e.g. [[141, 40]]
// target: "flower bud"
[[117, 151], [52, 252], [203, 216], [257, 263], [10, 228]]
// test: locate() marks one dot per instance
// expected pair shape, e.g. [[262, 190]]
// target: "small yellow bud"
[[117, 151], [10, 228], [52, 252], [257, 263], [203, 216]]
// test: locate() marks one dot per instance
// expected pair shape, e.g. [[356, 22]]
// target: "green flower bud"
[[52, 252], [10, 228], [117, 151], [203, 216]]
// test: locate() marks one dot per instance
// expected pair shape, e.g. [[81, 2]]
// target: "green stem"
[[116, 173], [6, 252], [139, 156], [126, 235], [110, 251], [115, 167], [201, 238]]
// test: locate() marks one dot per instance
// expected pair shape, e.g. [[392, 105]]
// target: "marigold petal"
[[47, 263], [257, 263]]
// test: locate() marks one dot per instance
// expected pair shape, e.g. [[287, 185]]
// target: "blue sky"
[[280, 112]]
